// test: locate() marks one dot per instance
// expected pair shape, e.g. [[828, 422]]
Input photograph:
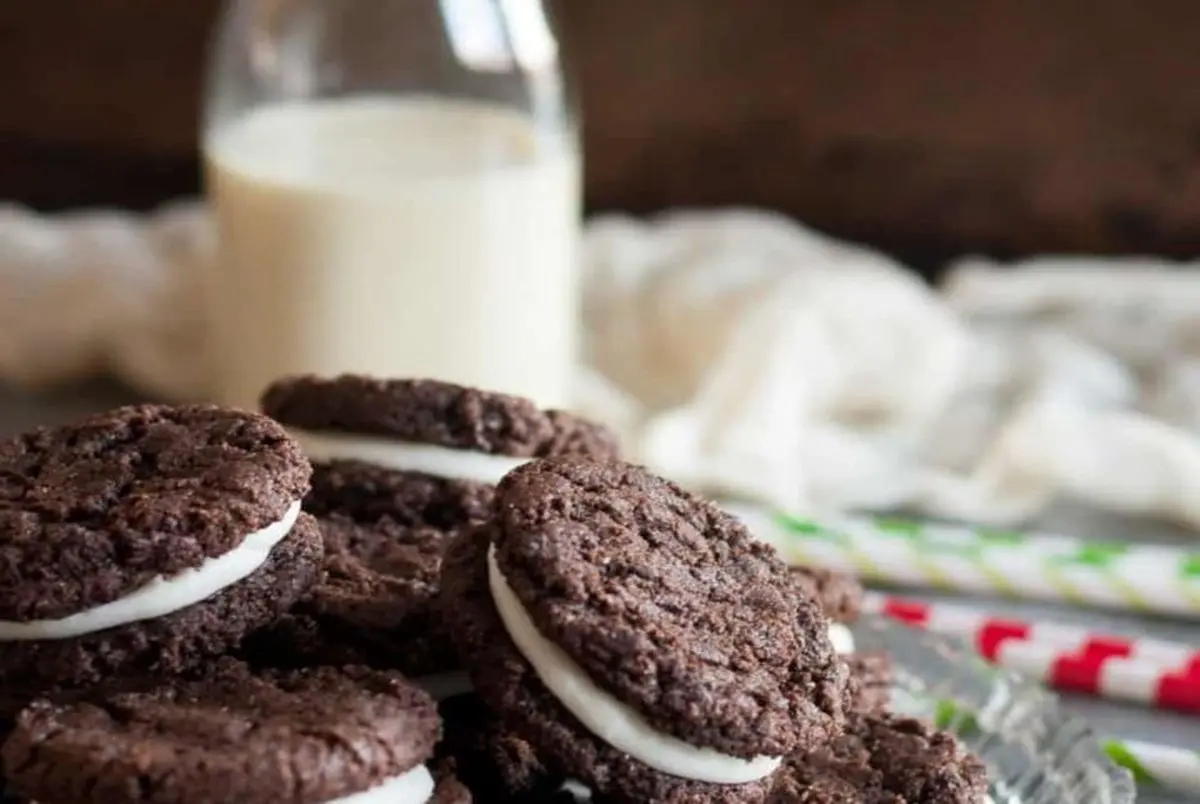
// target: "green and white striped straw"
[[1035, 566], [1176, 769]]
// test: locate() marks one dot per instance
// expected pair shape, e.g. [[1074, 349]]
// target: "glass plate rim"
[[998, 714]]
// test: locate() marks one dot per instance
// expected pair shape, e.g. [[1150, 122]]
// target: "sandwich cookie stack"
[[137, 548], [399, 467], [841, 598], [638, 639], [140, 543], [487, 756], [235, 736]]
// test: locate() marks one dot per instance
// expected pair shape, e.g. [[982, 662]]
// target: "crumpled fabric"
[[106, 293], [746, 356], [763, 360]]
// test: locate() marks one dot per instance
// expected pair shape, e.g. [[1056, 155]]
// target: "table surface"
[[21, 411]]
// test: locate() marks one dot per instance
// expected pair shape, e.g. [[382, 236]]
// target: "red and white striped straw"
[[1155, 672]]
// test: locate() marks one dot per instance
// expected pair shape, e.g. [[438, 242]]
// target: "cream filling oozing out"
[[405, 456], [842, 639], [162, 596], [612, 721], [843, 643], [412, 787]]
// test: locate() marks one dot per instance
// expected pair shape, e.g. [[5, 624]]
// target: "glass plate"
[[1035, 753]]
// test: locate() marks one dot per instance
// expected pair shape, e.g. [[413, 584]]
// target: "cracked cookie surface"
[[92, 511], [668, 604], [232, 735], [559, 743]]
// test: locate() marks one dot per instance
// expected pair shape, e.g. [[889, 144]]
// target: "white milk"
[[399, 238]]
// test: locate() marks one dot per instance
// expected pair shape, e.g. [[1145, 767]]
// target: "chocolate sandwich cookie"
[[638, 638], [419, 451], [840, 596], [884, 759], [146, 539], [399, 466], [320, 736]]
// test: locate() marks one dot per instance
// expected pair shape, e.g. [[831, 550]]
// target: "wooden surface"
[[100, 99], [931, 127]]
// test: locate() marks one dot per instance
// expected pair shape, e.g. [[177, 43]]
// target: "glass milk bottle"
[[397, 192]]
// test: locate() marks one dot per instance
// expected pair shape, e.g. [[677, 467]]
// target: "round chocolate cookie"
[[840, 594], [663, 604], [509, 684], [431, 412], [375, 604], [233, 735], [670, 605], [98, 520], [884, 759], [92, 511]]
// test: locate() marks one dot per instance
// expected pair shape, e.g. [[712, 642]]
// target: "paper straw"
[[1176, 688], [1160, 674], [1115, 575], [987, 632], [1176, 769]]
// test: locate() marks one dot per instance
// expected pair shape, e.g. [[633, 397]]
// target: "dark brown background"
[[929, 127]]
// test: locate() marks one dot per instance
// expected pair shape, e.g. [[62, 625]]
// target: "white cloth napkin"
[[746, 356]]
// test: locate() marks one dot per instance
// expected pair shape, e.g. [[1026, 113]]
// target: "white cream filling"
[[842, 639], [413, 787], [612, 721], [576, 790], [162, 596], [441, 686], [405, 456]]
